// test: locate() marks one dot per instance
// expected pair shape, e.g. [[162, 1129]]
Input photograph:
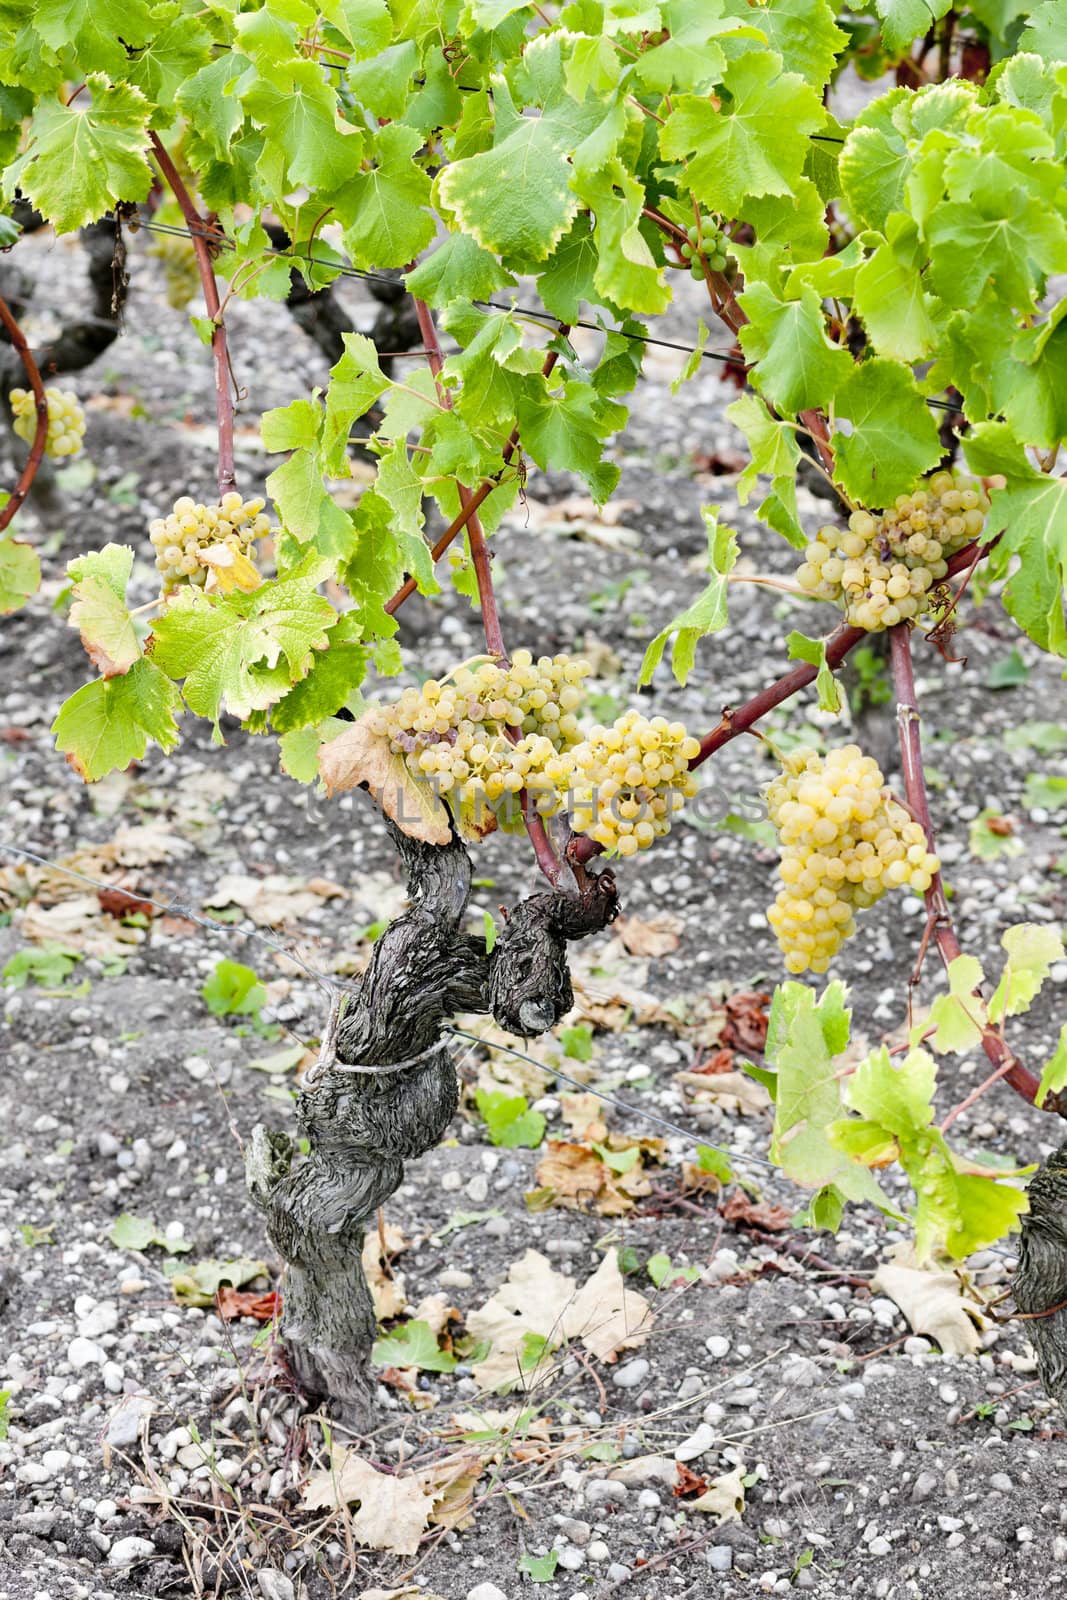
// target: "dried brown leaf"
[[733, 1091], [656, 937], [393, 1508], [360, 756]]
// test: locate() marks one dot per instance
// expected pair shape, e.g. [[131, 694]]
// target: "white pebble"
[[85, 1353]]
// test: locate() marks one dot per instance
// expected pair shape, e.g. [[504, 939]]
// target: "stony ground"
[[154, 1449]]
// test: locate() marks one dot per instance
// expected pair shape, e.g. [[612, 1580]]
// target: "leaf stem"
[[40, 434], [219, 349], [1022, 1080]]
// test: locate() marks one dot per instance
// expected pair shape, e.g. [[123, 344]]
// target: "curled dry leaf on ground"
[[274, 899], [735, 1092], [656, 936], [537, 1309], [935, 1301], [385, 1283], [359, 756], [395, 1509]]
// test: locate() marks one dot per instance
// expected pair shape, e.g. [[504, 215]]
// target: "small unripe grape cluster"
[[707, 240], [882, 567], [66, 420], [453, 730], [182, 540], [843, 841], [176, 254], [629, 780]]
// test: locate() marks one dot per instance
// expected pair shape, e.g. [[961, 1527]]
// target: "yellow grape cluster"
[[66, 420], [882, 567], [209, 546], [624, 783], [176, 254], [843, 841], [453, 730], [628, 781]]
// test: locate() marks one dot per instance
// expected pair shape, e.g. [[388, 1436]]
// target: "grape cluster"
[[176, 254], [628, 781], [623, 783], [66, 420], [197, 542], [453, 731], [882, 567], [843, 842], [705, 239]]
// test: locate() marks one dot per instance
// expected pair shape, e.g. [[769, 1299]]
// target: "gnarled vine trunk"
[[392, 1092], [1040, 1283]]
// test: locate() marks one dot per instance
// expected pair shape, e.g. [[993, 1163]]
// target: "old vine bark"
[[1040, 1283], [391, 1094]]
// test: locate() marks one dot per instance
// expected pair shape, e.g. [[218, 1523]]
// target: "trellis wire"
[[333, 986], [727, 357]]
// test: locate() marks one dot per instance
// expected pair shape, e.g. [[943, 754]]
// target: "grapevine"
[[544, 183], [66, 420]]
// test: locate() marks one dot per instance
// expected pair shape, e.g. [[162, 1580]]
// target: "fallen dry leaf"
[[656, 937], [271, 900], [124, 903], [724, 1498], [688, 1482], [386, 1287], [714, 1065], [733, 1091], [393, 1509], [79, 923], [747, 1012], [574, 1176], [646, 1469], [452, 1482], [360, 756], [231, 1303], [536, 1299], [583, 1115], [934, 1303], [755, 1213]]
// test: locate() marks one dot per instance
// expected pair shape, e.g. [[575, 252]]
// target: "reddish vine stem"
[[219, 348], [1000, 1057], [727, 308], [546, 857], [460, 521], [40, 435], [494, 637]]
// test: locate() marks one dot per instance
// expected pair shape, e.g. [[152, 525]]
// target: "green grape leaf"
[[459, 269], [1046, 32], [906, 20], [958, 1017], [233, 990], [169, 60], [888, 294], [873, 168], [795, 365], [986, 1210], [898, 1098], [775, 454], [626, 272], [298, 752], [1032, 948], [107, 724], [707, 614], [385, 206], [755, 144], [356, 381], [81, 158], [366, 24], [1025, 239], [213, 114], [516, 199], [1054, 1072], [804, 1036], [383, 83], [565, 430], [329, 683], [510, 1121], [99, 608], [20, 574], [400, 485], [412, 1344], [100, 33], [813, 651], [297, 112], [307, 511], [242, 653], [992, 835], [803, 32], [1049, 792], [567, 280], [695, 359], [1030, 515], [894, 438]]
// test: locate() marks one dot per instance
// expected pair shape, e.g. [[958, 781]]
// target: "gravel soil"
[[153, 1449]]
